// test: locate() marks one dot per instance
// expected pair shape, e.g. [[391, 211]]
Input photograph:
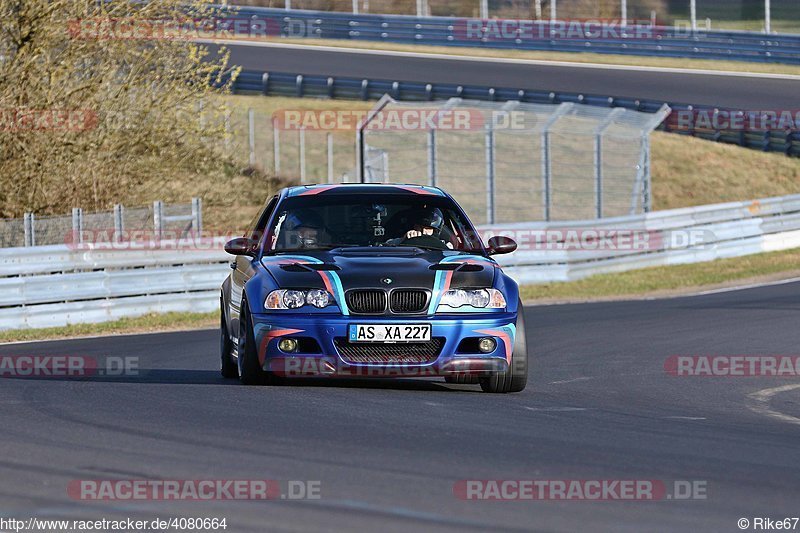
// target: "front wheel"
[[516, 377], [250, 371]]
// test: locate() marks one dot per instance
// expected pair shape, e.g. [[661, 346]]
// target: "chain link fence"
[[515, 162], [158, 221], [305, 156]]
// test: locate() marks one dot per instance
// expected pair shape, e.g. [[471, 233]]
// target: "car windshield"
[[337, 220]]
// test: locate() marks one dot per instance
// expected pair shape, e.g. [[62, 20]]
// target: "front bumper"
[[325, 359]]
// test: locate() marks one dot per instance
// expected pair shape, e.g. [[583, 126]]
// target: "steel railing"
[[662, 41]]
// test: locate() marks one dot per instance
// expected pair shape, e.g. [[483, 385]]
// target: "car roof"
[[363, 188]]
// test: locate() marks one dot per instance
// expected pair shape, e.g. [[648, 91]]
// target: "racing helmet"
[[430, 217], [300, 219]]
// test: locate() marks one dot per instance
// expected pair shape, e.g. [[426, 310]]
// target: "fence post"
[[30, 229], [276, 146], [647, 199], [158, 220], [489, 142], [251, 122], [77, 225], [302, 135], [484, 9], [288, 5], [329, 141], [553, 11], [197, 216], [598, 157], [118, 222], [545, 157], [432, 157], [623, 9], [767, 17], [228, 133], [355, 7], [693, 14]]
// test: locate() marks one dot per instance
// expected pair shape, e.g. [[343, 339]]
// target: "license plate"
[[390, 333]]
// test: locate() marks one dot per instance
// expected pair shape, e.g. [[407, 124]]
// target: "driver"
[[427, 230], [304, 229]]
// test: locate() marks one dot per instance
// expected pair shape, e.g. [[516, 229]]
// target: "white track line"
[[505, 60], [759, 402]]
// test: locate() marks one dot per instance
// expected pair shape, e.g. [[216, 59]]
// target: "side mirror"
[[501, 245], [239, 246]]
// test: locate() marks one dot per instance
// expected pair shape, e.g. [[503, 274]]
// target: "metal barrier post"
[[355, 7], [489, 143], [432, 157], [302, 155], [197, 216], [158, 220], [484, 9], [330, 157], [598, 158], [118, 222], [30, 229], [77, 225], [276, 147], [767, 17], [251, 121], [623, 9], [693, 14], [546, 167], [228, 133]]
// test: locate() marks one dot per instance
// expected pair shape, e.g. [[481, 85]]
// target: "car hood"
[[388, 268]]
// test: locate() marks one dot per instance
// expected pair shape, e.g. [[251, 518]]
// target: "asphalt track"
[[387, 453], [741, 92]]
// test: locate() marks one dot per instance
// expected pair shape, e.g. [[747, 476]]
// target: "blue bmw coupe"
[[370, 280]]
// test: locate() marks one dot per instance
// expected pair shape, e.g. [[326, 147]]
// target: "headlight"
[[477, 298], [294, 299], [318, 298]]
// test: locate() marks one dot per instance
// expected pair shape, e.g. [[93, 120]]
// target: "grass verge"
[[573, 57], [143, 324], [671, 280]]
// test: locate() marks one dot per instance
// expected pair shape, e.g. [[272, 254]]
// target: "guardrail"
[[676, 236], [663, 41], [47, 286], [299, 85]]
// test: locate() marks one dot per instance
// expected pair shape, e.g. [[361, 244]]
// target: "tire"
[[250, 371], [516, 377], [461, 379], [228, 368]]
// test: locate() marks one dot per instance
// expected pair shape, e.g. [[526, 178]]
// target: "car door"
[[242, 265]]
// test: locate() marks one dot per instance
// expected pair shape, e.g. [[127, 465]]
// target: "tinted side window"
[[256, 227]]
